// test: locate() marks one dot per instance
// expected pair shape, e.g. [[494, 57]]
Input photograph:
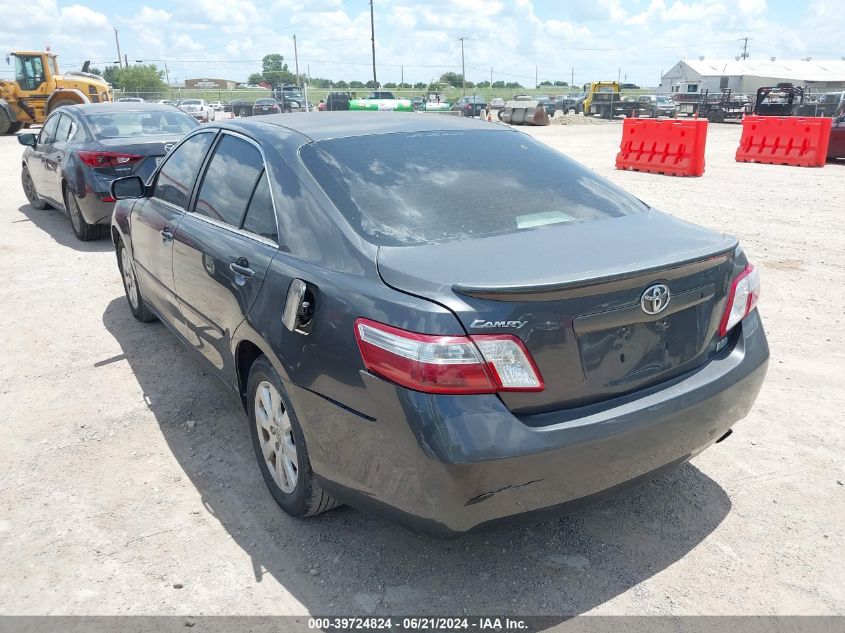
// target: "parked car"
[[660, 105], [497, 103], [445, 365], [242, 107], [217, 106], [166, 102], [197, 108], [380, 94], [570, 103], [547, 104], [80, 149], [130, 100], [266, 106], [418, 103], [290, 98], [836, 148], [337, 101], [469, 106]]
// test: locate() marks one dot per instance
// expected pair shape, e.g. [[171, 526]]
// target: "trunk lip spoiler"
[[581, 287]]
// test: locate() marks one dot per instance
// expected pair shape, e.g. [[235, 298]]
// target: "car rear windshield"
[[143, 123], [428, 187], [265, 102]]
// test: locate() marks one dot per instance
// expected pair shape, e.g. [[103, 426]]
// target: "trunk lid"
[[573, 294], [153, 152]]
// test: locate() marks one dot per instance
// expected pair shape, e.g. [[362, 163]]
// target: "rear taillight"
[[108, 159], [742, 298], [447, 364]]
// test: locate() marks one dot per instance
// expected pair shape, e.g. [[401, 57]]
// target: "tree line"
[[275, 71]]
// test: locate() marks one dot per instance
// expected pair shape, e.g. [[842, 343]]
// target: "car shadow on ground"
[[561, 567], [56, 224]]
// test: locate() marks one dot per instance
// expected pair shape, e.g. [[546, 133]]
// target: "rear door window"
[[48, 132], [175, 181], [63, 128], [260, 215], [229, 180]]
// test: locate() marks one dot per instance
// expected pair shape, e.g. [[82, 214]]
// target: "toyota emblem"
[[655, 299]]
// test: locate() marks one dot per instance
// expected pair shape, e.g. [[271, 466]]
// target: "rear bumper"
[[94, 210], [449, 464]]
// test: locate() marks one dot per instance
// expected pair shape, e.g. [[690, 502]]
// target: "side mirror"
[[127, 188], [28, 139]]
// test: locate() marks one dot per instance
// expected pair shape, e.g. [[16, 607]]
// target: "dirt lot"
[[113, 503]]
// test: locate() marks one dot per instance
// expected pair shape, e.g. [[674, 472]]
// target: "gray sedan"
[[436, 319], [80, 149]]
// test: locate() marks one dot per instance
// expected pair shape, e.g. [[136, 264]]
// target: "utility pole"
[[744, 41], [296, 61], [491, 76], [402, 74], [536, 71], [572, 78], [117, 41], [125, 60], [166, 74], [463, 69], [373, 40]]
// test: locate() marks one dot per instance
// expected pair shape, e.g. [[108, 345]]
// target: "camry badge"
[[481, 323]]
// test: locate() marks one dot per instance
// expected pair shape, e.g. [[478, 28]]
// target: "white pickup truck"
[[197, 108]]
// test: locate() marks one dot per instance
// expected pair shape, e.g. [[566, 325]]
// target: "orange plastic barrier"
[[663, 146], [784, 140]]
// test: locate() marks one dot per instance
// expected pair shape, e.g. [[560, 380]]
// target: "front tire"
[[280, 445], [32, 196], [84, 231], [130, 285]]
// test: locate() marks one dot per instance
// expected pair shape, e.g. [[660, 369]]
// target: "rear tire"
[[137, 306], [5, 122], [32, 196], [711, 116], [276, 438], [84, 231]]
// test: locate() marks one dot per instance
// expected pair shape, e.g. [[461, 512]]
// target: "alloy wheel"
[[275, 435], [29, 188], [129, 279], [74, 212]]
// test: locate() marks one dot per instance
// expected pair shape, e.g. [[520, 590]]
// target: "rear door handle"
[[166, 234], [241, 267]]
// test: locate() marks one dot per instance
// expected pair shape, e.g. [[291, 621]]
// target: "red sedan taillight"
[[742, 298], [487, 363], [108, 159]]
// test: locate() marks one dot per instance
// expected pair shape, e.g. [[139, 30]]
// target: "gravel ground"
[[130, 487]]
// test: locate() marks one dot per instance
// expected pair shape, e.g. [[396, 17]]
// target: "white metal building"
[[746, 75]]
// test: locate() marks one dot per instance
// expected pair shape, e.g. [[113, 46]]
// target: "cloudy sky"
[[595, 39]]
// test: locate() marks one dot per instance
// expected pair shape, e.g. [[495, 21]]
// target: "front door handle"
[[166, 235], [241, 267]]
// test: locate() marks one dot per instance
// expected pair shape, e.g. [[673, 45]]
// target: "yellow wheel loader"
[[38, 89]]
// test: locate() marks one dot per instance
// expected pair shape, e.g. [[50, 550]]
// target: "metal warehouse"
[[746, 75]]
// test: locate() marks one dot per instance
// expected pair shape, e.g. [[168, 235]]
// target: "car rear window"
[[141, 123], [429, 187]]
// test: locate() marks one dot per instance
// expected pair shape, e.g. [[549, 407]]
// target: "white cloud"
[[598, 38]]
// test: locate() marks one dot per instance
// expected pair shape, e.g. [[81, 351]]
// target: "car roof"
[[125, 106], [333, 125]]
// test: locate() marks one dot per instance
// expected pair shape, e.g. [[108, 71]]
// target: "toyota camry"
[[437, 319]]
